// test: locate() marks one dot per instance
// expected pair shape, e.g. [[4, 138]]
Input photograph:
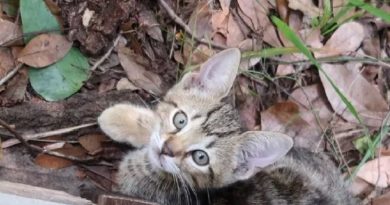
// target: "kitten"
[[191, 149]]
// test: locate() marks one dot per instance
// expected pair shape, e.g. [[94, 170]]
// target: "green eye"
[[180, 120], [200, 157]]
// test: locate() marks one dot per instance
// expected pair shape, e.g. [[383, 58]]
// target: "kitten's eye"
[[180, 120], [200, 157]]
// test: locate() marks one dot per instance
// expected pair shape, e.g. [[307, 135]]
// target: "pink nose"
[[167, 149]]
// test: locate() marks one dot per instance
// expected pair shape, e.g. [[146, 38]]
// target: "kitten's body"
[[241, 168]]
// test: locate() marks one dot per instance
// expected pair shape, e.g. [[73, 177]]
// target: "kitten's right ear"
[[129, 124], [216, 75], [259, 149]]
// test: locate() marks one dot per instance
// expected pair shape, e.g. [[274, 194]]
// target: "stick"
[[106, 55], [186, 28], [40, 150], [12, 142], [10, 74]]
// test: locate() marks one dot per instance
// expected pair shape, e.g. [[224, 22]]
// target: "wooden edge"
[[20, 193]]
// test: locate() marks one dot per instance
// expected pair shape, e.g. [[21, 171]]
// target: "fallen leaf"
[[125, 84], [6, 61], [147, 18], [137, 73], [365, 98], [44, 50], [52, 162], [15, 89], [306, 6], [369, 172], [234, 34], [9, 33], [382, 200], [200, 21], [61, 79], [247, 104], [286, 117], [347, 38], [359, 186], [92, 142]]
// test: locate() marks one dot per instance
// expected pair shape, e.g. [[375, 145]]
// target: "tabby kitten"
[[191, 149]]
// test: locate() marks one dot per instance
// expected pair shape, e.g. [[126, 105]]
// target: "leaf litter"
[[279, 92]]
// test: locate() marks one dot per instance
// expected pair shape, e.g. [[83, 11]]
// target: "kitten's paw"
[[129, 124]]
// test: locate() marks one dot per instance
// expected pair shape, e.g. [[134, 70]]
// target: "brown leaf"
[[234, 34], [6, 61], [44, 50], [52, 162], [382, 200], [366, 99], [9, 32], [347, 38], [92, 142], [306, 6], [148, 19], [282, 8], [125, 84], [359, 186], [369, 172], [137, 73], [15, 90], [200, 20], [247, 104]]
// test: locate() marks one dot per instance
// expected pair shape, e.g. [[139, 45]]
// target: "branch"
[[186, 28]]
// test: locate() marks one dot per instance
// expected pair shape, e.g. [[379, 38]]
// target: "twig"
[[39, 149], [339, 59], [106, 55], [186, 28], [10, 74], [13, 142]]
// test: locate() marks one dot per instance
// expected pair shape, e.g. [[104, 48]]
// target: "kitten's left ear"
[[259, 149], [216, 75]]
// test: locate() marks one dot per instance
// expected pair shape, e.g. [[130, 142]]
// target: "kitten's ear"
[[129, 124], [216, 75], [259, 149]]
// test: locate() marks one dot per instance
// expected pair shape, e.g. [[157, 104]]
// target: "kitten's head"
[[195, 134]]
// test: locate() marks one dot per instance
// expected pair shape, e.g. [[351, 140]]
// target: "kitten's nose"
[[167, 149]]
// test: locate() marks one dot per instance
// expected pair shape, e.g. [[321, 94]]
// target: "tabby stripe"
[[215, 109], [170, 103], [210, 144], [212, 174], [224, 134]]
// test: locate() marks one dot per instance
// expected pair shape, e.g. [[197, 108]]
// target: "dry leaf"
[[92, 142], [9, 32], [125, 84], [359, 186], [347, 38], [6, 61], [286, 117], [147, 18], [247, 104], [15, 90], [369, 172], [306, 6], [366, 99], [52, 162], [44, 50], [87, 16], [382, 200], [234, 34], [200, 21], [137, 73]]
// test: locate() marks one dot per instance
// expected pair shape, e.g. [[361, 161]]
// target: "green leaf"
[[62, 79], [363, 144], [291, 36], [371, 9], [37, 18]]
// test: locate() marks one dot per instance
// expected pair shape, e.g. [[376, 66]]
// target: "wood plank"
[[16, 193]]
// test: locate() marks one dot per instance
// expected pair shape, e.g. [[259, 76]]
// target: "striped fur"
[[162, 169]]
